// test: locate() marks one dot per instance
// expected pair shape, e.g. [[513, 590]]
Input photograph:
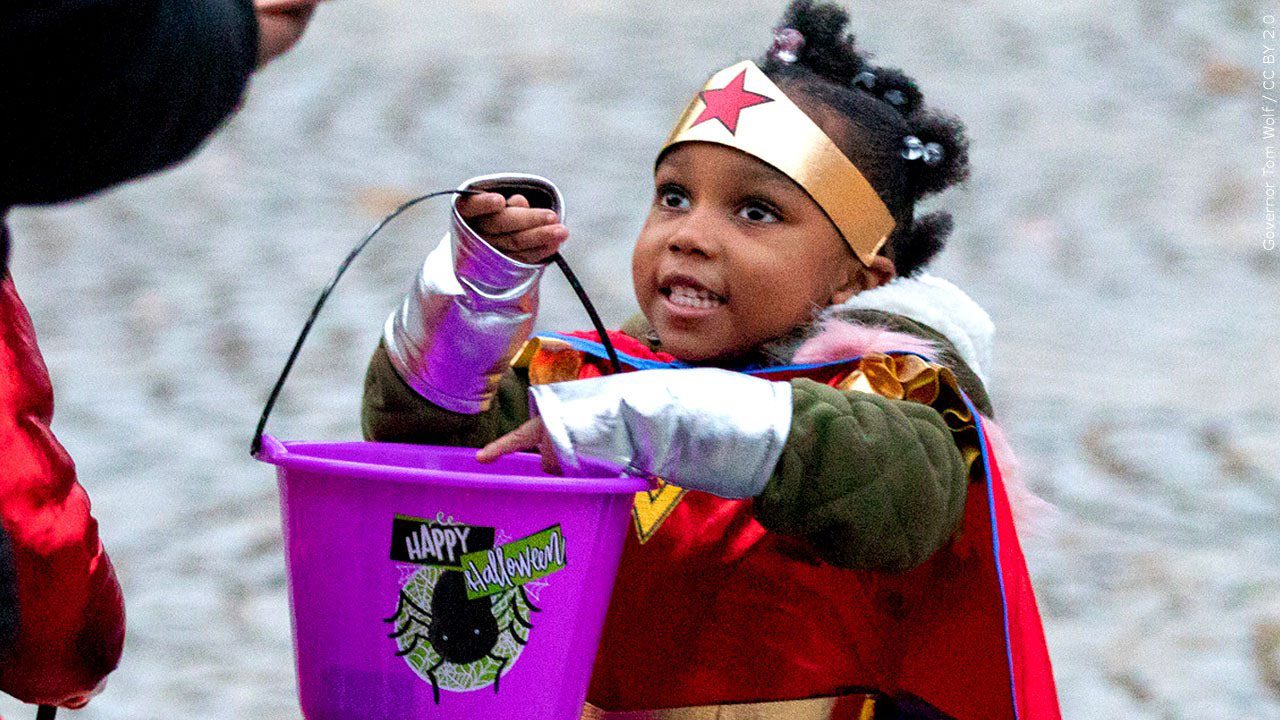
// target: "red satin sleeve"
[[69, 610]]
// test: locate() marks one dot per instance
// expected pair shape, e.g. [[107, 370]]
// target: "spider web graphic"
[[470, 676], [534, 589]]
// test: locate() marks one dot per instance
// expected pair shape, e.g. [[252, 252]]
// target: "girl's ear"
[[863, 277]]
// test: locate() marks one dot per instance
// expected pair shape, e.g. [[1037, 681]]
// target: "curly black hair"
[[869, 111]]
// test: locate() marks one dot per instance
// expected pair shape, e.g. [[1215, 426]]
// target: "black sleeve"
[[8, 595], [96, 92]]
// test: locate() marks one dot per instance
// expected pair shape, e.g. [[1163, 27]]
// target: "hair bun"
[[905, 149], [930, 153], [941, 152], [787, 44], [921, 242], [892, 86], [828, 50]]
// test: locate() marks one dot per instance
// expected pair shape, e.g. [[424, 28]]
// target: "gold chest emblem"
[[652, 507]]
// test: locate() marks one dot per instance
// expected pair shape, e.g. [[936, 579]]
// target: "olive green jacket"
[[870, 482]]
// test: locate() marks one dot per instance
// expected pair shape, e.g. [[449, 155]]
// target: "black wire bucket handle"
[[256, 445]]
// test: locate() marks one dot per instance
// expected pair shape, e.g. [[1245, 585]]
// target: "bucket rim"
[[290, 455]]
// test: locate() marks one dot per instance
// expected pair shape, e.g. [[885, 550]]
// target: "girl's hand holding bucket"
[[530, 235]]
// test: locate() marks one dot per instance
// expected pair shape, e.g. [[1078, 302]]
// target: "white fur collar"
[[942, 306]]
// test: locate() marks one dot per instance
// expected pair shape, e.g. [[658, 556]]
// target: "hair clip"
[[787, 44], [895, 98], [914, 149], [865, 80]]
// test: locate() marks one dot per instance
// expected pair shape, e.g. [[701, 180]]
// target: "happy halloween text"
[[425, 542], [492, 571]]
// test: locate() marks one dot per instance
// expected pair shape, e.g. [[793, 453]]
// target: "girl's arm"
[[871, 482], [395, 412], [926, 447], [873, 475], [441, 374]]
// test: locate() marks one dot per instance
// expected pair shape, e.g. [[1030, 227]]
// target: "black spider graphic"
[[460, 630]]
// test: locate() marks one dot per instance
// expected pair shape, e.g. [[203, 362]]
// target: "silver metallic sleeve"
[[705, 429], [469, 310]]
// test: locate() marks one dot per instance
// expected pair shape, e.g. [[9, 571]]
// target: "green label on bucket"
[[489, 572]]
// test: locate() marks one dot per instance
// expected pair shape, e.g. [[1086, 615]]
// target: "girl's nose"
[[694, 237]]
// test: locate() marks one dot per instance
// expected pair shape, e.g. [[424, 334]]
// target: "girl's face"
[[735, 254]]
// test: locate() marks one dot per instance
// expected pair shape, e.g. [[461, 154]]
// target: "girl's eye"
[[673, 197], [757, 212]]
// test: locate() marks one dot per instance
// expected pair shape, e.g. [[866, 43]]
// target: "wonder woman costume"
[[835, 539]]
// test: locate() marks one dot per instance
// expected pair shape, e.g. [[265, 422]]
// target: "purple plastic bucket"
[[418, 577]]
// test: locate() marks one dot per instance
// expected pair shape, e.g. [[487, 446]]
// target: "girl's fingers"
[[525, 437], [546, 237], [471, 206], [515, 219], [550, 463], [527, 234], [536, 255]]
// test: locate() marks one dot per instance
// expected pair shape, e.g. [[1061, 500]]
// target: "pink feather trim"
[[1030, 511], [841, 339]]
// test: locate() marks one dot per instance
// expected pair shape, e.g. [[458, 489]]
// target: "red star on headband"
[[727, 103]]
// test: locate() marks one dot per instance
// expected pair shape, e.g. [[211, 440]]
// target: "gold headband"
[[779, 133]]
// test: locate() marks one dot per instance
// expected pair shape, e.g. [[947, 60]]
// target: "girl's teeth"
[[694, 297]]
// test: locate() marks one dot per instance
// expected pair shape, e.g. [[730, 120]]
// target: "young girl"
[[829, 536]]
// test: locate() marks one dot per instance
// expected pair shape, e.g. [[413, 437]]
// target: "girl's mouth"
[[692, 297]]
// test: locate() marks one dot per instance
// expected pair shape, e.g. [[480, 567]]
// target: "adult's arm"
[[61, 613], [96, 92]]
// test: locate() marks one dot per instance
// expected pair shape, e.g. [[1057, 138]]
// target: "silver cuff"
[[469, 310], [703, 429]]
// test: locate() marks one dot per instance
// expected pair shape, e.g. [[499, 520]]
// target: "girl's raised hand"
[[529, 436], [530, 235]]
